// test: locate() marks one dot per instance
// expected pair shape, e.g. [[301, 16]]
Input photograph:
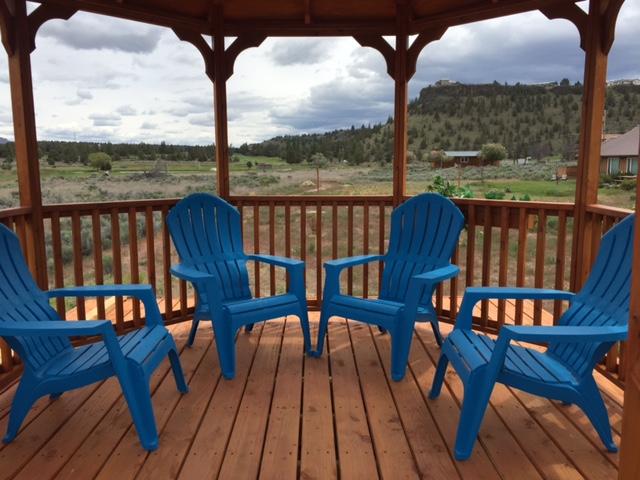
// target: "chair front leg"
[[297, 287], [593, 406], [477, 392], [225, 344], [22, 403], [401, 337], [138, 396]]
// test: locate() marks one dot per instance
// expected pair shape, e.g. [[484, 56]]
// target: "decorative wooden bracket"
[[203, 47], [421, 41], [571, 12], [6, 28], [44, 13], [387, 51], [609, 19], [381, 45], [239, 45]]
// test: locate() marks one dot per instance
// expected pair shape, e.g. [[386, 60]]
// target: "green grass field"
[[130, 179]]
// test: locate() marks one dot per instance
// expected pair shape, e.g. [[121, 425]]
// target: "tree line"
[[529, 120]]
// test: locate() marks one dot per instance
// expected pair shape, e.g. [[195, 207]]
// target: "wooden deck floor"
[[287, 416]]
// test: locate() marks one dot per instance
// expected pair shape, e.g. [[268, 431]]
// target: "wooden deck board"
[[287, 416]]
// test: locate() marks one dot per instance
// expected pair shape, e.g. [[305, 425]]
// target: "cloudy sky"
[[97, 78]]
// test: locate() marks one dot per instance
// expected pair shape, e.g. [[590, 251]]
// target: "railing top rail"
[[14, 212], [124, 205], [554, 206], [608, 211]]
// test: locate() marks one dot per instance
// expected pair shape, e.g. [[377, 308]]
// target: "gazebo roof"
[[308, 17]]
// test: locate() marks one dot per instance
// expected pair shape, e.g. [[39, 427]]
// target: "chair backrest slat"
[[22, 301], [604, 299], [424, 235], [206, 232]]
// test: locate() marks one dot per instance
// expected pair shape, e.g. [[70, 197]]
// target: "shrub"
[[494, 195], [628, 185], [100, 161]]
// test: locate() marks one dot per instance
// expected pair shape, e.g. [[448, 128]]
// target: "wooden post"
[[588, 175], [24, 126], [401, 114], [220, 106]]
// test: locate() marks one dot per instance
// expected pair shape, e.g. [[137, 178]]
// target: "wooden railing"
[[504, 243]]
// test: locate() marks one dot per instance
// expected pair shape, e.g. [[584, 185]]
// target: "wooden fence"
[[504, 243]]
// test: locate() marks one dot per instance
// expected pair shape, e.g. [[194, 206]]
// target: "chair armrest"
[[563, 333], [142, 292], [342, 263], [284, 262], [437, 275], [207, 281], [473, 295], [55, 328], [190, 274], [333, 269]]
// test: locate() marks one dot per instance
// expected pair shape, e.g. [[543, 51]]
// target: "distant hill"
[[4, 140], [530, 120]]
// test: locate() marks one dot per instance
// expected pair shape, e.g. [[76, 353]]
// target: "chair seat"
[[264, 308], [136, 346], [376, 311], [471, 350]]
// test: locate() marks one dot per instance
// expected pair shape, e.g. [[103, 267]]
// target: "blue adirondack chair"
[[424, 234], [53, 366], [596, 318], [206, 232]]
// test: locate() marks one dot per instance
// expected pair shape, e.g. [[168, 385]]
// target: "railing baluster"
[[453, 287], [303, 236], [471, 245], [256, 246], [523, 230], [166, 265], [151, 247], [78, 277], [272, 246], [319, 252], [133, 261], [560, 262], [486, 265], [504, 260], [58, 267], [287, 234], [334, 230], [116, 253], [350, 247], [97, 259], [365, 250], [381, 246], [541, 237]]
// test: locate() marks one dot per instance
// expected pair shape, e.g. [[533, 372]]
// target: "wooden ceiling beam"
[[319, 28], [484, 11], [571, 12], [44, 13], [154, 16]]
